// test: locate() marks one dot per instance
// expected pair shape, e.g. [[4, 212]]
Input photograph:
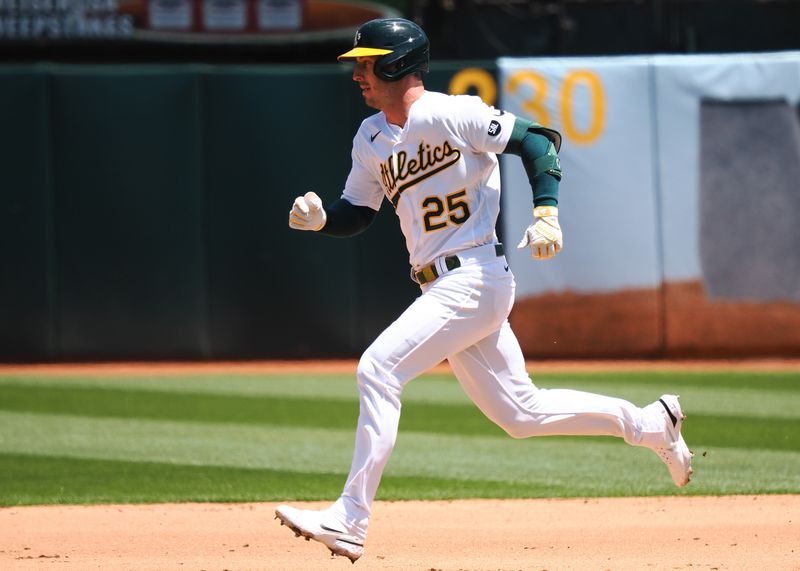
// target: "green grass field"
[[98, 439]]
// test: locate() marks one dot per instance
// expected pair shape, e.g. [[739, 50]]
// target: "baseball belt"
[[431, 272]]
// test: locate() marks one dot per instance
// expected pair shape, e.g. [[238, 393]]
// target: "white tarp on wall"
[[629, 197]]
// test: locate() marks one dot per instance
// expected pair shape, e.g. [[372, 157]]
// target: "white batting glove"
[[544, 235], [307, 213]]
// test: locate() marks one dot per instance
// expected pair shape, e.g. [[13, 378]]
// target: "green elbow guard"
[[522, 127], [537, 146]]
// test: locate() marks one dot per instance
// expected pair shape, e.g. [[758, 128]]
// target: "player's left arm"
[[538, 147]]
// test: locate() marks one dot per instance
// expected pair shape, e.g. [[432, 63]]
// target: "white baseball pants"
[[462, 317]]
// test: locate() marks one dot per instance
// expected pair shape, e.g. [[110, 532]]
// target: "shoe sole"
[[300, 532]]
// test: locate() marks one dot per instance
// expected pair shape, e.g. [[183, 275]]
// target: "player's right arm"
[[345, 219], [340, 218], [349, 215]]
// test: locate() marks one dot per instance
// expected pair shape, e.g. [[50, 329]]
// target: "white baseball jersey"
[[440, 172]]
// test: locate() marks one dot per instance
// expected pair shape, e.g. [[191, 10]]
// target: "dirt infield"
[[735, 532], [344, 366]]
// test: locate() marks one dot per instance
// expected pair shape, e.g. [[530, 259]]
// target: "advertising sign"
[[179, 21]]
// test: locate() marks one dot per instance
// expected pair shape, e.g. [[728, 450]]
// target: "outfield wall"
[[681, 205], [145, 208]]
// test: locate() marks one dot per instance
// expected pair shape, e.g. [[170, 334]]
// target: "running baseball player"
[[433, 158]]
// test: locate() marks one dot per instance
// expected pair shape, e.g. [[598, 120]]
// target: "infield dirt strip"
[[732, 532]]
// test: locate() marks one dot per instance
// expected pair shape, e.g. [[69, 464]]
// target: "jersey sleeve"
[[485, 128], [362, 187]]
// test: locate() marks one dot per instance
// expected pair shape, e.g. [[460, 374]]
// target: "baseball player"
[[432, 157]]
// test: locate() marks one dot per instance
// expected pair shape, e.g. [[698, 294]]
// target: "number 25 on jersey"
[[439, 213]]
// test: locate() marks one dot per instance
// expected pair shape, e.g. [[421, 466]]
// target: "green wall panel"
[[268, 140], [149, 210], [26, 306], [129, 213], [274, 134]]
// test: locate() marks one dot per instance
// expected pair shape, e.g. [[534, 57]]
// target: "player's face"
[[376, 92]]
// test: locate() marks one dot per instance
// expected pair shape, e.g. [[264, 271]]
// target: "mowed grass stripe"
[[233, 438], [285, 411], [427, 388], [760, 395], [30, 480], [325, 385], [752, 402], [735, 430], [302, 384], [229, 445], [157, 405], [591, 466], [292, 448], [676, 381]]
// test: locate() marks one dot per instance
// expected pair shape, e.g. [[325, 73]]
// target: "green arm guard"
[[538, 148]]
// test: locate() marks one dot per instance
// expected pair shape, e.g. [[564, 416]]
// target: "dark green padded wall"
[[26, 279], [272, 134], [128, 182], [146, 208]]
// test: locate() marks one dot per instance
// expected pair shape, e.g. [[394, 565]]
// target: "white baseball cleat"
[[313, 524], [673, 450]]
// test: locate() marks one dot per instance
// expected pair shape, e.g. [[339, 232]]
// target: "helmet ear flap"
[[391, 68], [397, 65]]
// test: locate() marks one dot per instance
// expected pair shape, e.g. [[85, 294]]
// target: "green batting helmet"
[[402, 46]]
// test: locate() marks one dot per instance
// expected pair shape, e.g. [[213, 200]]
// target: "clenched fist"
[[307, 213], [544, 235]]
